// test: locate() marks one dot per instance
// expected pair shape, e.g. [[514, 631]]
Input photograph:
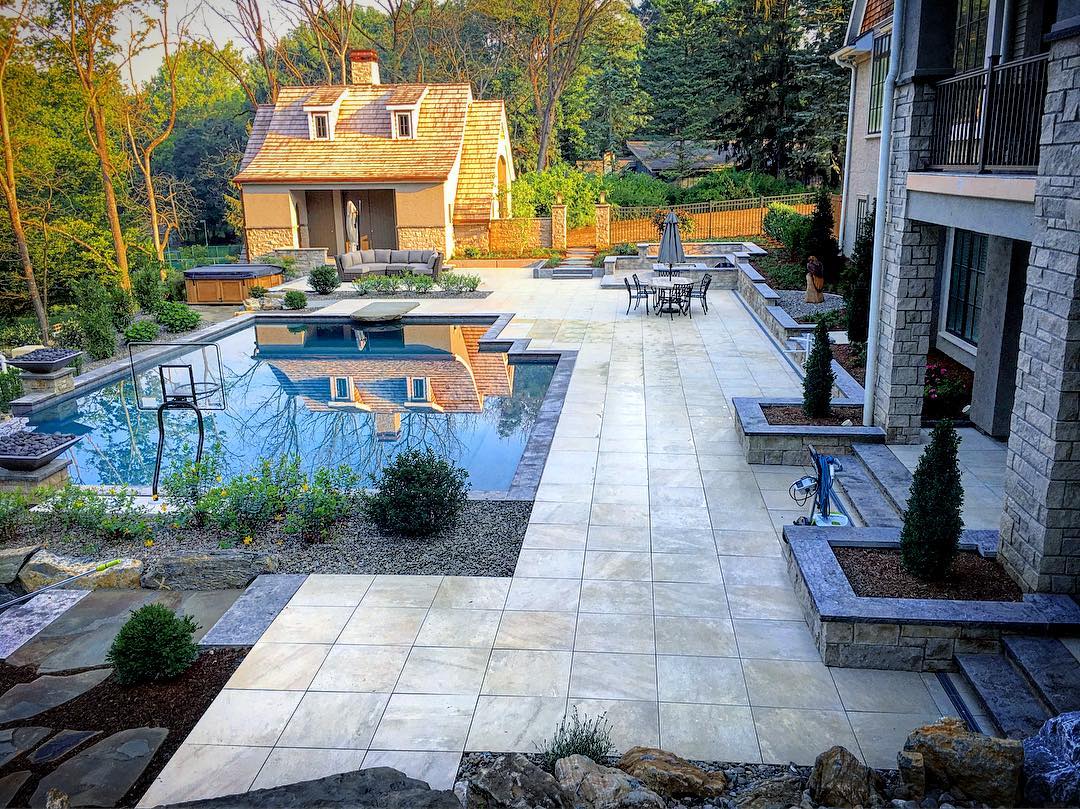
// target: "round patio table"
[[664, 287]]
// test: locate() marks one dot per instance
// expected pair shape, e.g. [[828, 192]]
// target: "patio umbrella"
[[671, 251], [352, 224]]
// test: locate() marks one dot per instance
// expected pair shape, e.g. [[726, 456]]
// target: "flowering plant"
[[945, 392]]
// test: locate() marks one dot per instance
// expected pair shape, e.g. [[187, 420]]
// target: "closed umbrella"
[[352, 224], [671, 250]]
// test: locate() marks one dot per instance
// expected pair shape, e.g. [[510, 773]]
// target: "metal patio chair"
[[636, 294], [702, 293]]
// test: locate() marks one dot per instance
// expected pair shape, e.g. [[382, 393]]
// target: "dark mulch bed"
[[849, 360], [876, 572], [793, 414], [174, 704]]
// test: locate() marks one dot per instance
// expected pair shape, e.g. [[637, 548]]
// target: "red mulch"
[[793, 414], [848, 359], [109, 707], [877, 572]]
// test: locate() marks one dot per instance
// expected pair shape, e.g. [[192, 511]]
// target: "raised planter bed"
[[45, 360], [766, 443], [27, 451], [908, 634]]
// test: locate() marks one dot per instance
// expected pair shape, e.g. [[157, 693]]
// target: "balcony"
[[990, 120]]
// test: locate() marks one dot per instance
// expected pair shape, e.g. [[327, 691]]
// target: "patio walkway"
[[650, 586]]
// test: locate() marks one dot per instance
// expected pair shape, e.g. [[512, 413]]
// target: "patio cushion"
[[367, 256], [373, 267], [399, 256], [418, 256], [382, 256]]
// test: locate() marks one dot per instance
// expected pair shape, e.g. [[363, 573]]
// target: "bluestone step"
[[1004, 692], [1050, 668]]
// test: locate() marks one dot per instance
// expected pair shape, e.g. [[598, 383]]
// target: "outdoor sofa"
[[358, 263]]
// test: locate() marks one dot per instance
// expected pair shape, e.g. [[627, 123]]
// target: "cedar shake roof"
[[877, 11], [324, 96], [479, 155], [279, 149]]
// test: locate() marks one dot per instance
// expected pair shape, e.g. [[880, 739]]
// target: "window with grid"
[[969, 42], [879, 67], [862, 205], [321, 122], [966, 272]]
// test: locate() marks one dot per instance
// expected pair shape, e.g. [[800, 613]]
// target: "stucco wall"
[[862, 169]]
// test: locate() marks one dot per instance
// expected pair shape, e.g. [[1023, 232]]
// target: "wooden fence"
[[712, 220]]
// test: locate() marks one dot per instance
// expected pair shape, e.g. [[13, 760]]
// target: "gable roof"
[[280, 150], [479, 156], [665, 154]]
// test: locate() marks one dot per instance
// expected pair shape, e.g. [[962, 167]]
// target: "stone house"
[[370, 165], [980, 245]]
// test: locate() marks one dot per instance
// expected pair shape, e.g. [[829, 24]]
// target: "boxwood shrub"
[[417, 494], [154, 644]]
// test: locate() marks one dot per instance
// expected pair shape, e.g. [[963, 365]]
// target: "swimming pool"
[[328, 391]]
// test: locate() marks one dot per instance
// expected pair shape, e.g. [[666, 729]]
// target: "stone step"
[[1005, 694], [865, 496], [572, 272], [1050, 669], [891, 477]]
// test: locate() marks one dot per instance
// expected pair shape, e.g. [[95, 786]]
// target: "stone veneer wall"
[[422, 238], [260, 241], [558, 227], [603, 226], [909, 267], [1040, 529], [519, 235], [473, 234], [306, 258]]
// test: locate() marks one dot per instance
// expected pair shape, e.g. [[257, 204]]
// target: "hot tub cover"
[[222, 272]]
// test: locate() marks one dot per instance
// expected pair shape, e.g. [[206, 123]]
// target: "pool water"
[[329, 392]]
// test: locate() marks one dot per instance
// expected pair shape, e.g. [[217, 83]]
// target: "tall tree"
[[11, 28]]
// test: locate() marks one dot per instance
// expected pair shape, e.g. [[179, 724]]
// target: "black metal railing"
[[990, 120]]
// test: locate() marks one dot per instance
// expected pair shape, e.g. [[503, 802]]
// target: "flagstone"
[[24, 700]]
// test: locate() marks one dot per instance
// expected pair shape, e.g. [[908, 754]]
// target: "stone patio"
[[650, 586]]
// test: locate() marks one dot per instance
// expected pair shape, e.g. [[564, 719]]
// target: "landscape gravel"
[[29, 444], [793, 301]]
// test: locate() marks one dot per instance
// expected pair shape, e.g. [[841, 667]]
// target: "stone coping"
[[253, 612], [832, 598], [531, 465], [752, 421]]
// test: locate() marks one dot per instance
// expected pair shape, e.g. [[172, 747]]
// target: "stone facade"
[[260, 241], [517, 236], [306, 258], [1040, 530], [558, 227], [909, 267], [474, 235], [421, 238], [603, 226], [52, 383]]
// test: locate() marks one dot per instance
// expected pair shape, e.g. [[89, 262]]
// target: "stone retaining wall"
[[787, 444]]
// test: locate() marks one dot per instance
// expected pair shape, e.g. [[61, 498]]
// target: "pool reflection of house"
[[385, 370]]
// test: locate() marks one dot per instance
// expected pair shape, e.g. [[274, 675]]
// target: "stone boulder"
[[773, 793], [12, 560], [671, 776], [215, 570], [839, 779], [514, 782], [593, 786], [984, 768], [374, 788], [1052, 762], [45, 568], [912, 773]]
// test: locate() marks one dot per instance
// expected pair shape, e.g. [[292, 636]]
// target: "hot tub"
[[228, 283]]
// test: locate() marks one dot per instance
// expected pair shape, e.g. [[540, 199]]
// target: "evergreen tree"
[[857, 281], [933, 521], [820, 242], [819, 378]]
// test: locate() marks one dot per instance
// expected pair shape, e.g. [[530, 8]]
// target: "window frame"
[[316, 117], [879, 69], [425, 387], [403, 115], [962, 327], [336, 392], [972, 19]]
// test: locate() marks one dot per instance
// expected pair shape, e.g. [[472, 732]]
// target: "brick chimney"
[[364, 67]]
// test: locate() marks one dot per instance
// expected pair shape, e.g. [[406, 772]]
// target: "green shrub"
[[732, 184], [319, 505], [324, 279], [819, 378], [175, 316], [420, 284], [534, 192], [96, 315], [633, 188], [578, 736], [175, 288], [257, 292], [834, 319], [289, 270], [69, 334], [153, 644], [857, 281], [10, 388], [148, 289], [417, 494], [186, 485], [122, 307], [20, 333], [362, 285], [111, 514], [933, 520], [248, 503], [686, 222], [457, 283], [142, 331], [294, 299], [14, 515], [784, 224]]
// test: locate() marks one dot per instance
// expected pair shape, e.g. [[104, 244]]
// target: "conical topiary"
[[820, 241], [933, 521], [819, 379], [857, 281]]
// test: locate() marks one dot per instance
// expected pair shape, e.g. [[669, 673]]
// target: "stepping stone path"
[[10, 785], [102, 774], [60, 745], [21, 623], [29, 699], [18, 740]]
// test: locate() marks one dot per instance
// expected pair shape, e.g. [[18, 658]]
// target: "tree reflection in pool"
[[331, 393]]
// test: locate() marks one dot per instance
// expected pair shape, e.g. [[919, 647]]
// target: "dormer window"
[[403, 124], [320, 126]]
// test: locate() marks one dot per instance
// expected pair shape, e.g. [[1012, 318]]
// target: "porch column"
[[1040, 528], [909, 267], [603, 223], [558, 224]]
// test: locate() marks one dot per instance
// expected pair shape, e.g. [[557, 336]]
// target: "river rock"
[[773, 793], [671, 776], [839, 779], [46, 567], [514, 782], [24, 700], [593, 786], [15, 741], [12, 560], [985, 768], [1052, 762], [101, 774], [373, 788], [215, 570]]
